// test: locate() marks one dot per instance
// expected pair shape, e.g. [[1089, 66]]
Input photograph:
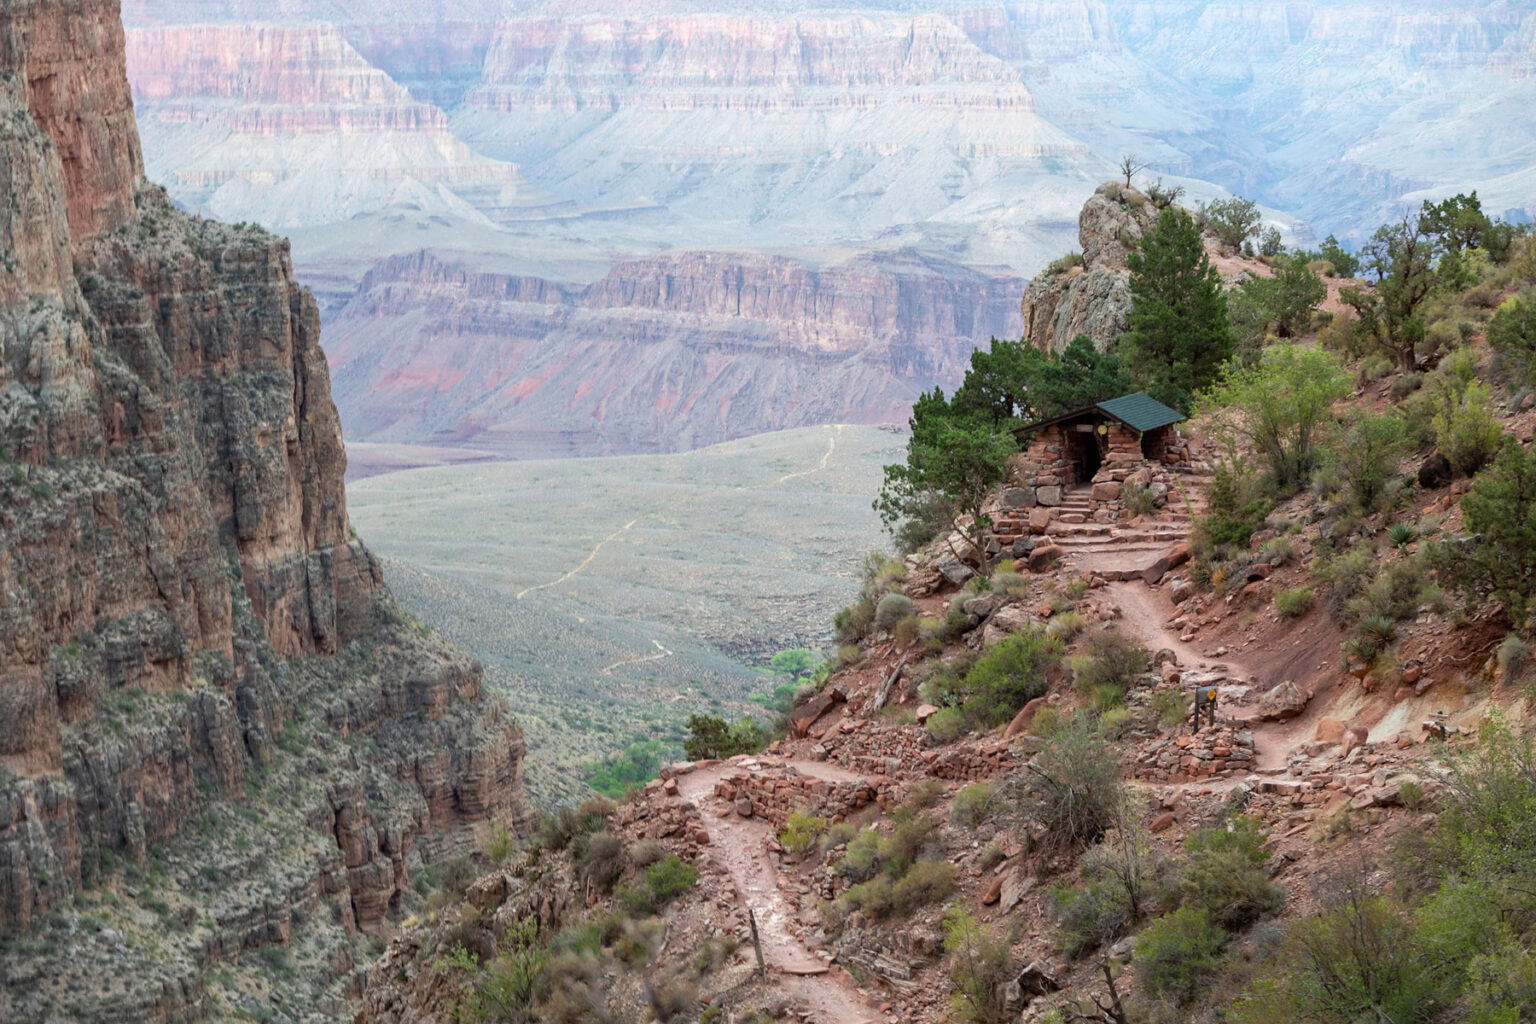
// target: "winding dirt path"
[[740, 845], [584, 562], [825, 458], [662, 652]]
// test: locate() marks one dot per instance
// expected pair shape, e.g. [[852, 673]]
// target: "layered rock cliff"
[[1092, 295], [217, 731], [664, 353], [289, 126]]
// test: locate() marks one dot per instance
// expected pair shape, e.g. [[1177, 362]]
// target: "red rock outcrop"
[[662, 353], [187, 617], [68, 55]]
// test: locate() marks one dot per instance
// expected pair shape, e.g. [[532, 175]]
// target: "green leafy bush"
[[1177, 954], [1223, 874], [1466, 432], [710, 737], [800, 833], [973, 804], [1294, 603], [1075, 789], [892, 608], [657, 886], [1139, 500], [979, 967], [1111, 662], [1500, 513], [1367, 449], [1001, 681], [948, 724]]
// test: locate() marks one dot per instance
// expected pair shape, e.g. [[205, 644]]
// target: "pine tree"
[[1180, 335]]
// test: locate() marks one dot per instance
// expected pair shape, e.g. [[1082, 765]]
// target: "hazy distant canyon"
[[560, 230]]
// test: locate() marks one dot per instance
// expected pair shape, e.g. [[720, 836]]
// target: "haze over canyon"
[[575, 231]]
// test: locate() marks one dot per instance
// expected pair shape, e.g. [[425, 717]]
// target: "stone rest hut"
[[1100, 447]]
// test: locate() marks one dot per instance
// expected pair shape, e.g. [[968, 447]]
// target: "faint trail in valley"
[[637, 661], [584, 562], [831, 447]]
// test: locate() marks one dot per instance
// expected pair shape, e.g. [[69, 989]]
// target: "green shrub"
[[1367, 450], [710, 737], [1002, 680], [600, 859], [947, 725], [1091, 916], [892, 609], [1062, 628], [1223, 874], [1172, 707], [646, 852], [1139, 500], [1062, 264], [926, 882], [1114, 722], [862, 858], [979, 967], [1294, 603], [1237, 508], [1111, 663], [973, 804], [657, 886], [906, 632], [1176, 955], [852, 624], [1402, 534], [499, 848], [1499, 512], [800, 833], [1233, 220], [558, 830], [1347, 575], [1466, 432], [839, 833], [1075, 787], [1512, 334]]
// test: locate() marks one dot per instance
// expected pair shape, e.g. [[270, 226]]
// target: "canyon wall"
[[660, 354], [217, 731]]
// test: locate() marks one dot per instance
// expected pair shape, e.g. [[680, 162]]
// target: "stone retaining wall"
[[1211, 753]]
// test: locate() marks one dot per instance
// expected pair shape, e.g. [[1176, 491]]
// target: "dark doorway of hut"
[[1085, 453]]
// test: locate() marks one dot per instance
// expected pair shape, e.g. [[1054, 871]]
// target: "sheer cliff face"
[[187, 622], [660, 354]]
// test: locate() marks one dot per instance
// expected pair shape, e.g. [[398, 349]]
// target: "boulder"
[[1048, 495], [1286, 700], [1044, 556], [983, 605], [1109, 490], [1021, 720], [1329, 730], [1436, 472], [1040, 519], [1181, 591], [1023, 546], [925, 712], [1036, 979], [1170, 559], [1018, 497], [955, 571], [1162, 823], [1354, 736], [1016, 885], [744, 806], [803, 717]]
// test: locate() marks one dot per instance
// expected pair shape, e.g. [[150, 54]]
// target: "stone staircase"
[[1093, 543]]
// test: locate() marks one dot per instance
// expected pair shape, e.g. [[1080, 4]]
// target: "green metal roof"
[[1141, 411]]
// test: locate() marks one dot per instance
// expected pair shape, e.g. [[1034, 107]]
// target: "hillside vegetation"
[[994, 804]]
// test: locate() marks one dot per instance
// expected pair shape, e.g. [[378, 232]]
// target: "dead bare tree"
[[1111, 1012], [1129, 167]]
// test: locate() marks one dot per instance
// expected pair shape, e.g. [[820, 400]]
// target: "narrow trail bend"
[[822, 465], [584, 562], [740, 844]]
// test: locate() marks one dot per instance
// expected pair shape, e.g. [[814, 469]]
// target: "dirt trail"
[[1143, 613], [825, 458], [740, 846]]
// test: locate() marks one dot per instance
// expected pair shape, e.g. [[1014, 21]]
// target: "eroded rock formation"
[[663, 353], [1092, 297], [203, 681]]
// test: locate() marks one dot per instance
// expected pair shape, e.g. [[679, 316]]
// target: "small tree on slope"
[[1180, 335]]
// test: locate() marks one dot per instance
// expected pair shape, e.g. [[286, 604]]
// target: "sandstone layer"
[[217, 731], [660, 354]]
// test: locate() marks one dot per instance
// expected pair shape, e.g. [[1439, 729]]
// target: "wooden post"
[[757, 944]]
